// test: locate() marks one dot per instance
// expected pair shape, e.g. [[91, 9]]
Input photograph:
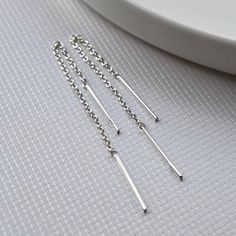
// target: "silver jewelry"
[[86, 86], [58, 50], [114, 73], [75, 41]]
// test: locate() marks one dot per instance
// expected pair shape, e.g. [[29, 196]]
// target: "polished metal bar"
[[138, 98], [102, 108], [163, 154], [144, 207]]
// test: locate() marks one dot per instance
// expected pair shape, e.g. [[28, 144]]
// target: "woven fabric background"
[[56, 177]]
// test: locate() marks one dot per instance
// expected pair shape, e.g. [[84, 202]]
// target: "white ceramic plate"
[[203, 31]]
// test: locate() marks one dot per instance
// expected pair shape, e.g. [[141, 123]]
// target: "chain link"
[[75, 40], [97, 56], [58, 50]]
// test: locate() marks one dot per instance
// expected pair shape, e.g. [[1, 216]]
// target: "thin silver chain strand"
[[59, 49], [114, 73], [75, 40], [106, 82], [75, 68]]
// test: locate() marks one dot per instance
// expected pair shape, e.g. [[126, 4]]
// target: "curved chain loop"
[[75, 40], [58, 51]]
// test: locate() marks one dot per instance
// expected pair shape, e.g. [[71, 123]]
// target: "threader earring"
[[59, 51], [75, 41]]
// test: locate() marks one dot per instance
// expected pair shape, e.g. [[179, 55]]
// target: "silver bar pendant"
[[102, 108], [138, 98], [163, 154], [136, 192]]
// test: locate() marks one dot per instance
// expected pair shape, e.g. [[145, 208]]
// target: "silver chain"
[[100, 59], [101, 75], [97, 56], [75, 41], [58, 50]]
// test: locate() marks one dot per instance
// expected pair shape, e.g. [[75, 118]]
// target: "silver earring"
[[75, 41], [58, 50], [111, 70], [86, 86]]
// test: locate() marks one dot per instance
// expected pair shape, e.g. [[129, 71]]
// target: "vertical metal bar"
[[144, 207], [163, 154], [139, 99], [102, 108]]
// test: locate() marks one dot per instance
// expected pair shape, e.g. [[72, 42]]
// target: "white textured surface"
[[55, 174]]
